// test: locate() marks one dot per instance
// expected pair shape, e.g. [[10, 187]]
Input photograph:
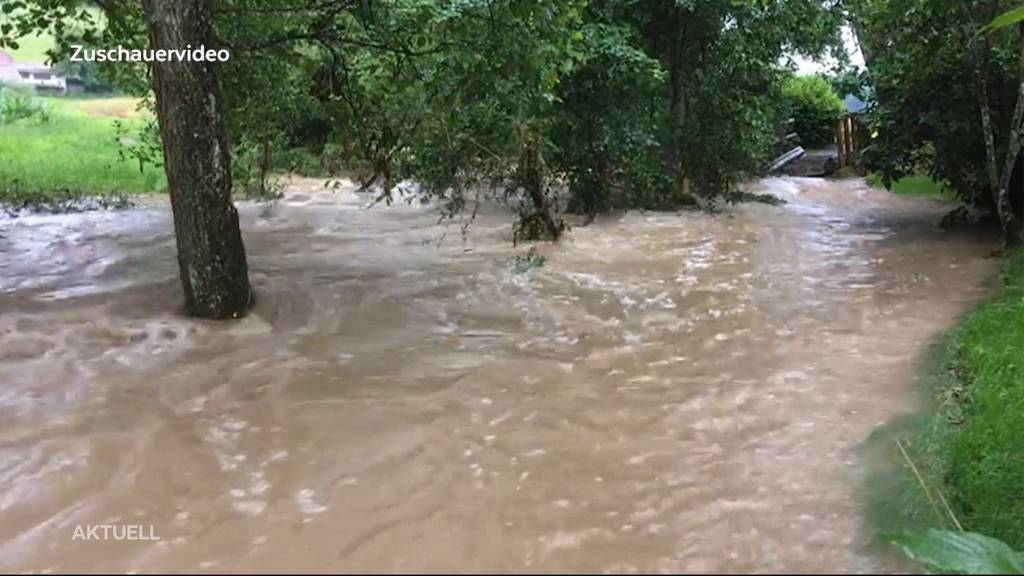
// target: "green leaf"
[[1005, 19], [963, 552]]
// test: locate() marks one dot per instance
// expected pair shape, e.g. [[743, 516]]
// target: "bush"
[[251, 167], [19, 105], [814, 107]]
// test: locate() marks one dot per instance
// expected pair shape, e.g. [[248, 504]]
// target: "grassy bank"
[[72, 150], [967, 444], [915, 186]]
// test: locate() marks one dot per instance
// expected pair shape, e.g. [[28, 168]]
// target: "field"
[[74, 151], [919, 185]]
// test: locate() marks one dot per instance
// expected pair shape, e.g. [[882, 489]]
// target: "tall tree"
[[211, 256], [722, 62], [952, 99], [197, 156]]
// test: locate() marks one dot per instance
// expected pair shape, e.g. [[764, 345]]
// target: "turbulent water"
[[669, 392]]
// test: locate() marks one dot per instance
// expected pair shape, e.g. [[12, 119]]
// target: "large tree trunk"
[[675, 61], [211, 255]]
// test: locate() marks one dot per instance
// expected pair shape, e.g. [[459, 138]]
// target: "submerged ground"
[[669, 392]]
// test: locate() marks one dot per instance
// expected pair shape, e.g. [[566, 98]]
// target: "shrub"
[[19, 105], [814, 107], [251, 166]]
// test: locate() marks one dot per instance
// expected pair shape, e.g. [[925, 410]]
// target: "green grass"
[[75, 153], [968, 440], [986, 464], [919, 185], [32, 48]]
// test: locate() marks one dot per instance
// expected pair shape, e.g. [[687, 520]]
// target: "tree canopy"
[[948, 98], [653, 103]]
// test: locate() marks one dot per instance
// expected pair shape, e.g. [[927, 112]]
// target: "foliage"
[[606, 100], [924, 59], [722, 59], [849, 80], [1008, 18], [18, 105], [31, 48], [251, 170], [960, 552], [139, 142], [531, 260], [815, 108], [481, 120], [606, 130], [90, 74], [742, 196]]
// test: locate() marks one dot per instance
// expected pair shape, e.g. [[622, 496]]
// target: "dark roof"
[[854, 105]]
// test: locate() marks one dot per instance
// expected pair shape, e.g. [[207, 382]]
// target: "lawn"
[[966, 442], [918, 185], [985, 472], [74, 152]]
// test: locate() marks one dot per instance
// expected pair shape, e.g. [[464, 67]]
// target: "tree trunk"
[[999, 182], [536, 222], [211, 256], [265, 169], [676, 99]]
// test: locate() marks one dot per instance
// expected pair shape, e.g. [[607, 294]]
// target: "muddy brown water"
[[670, 392]]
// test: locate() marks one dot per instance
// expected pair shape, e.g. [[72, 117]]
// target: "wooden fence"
[[851, 136]]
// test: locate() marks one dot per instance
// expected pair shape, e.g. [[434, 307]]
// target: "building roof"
[[8, 71], [33, 67], [855, 105]]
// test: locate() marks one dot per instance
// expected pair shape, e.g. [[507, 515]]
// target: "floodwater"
[[669, 392]]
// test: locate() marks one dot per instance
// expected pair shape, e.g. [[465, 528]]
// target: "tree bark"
[[999, 182], [675, 61], [540, 224], [211, 256]]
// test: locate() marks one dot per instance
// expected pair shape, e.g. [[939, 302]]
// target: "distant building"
[[854, 104], [42, 77], [8, 70]]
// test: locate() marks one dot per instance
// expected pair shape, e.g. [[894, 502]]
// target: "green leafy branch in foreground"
[[1005, 19], [960, 552], [957, 551]]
